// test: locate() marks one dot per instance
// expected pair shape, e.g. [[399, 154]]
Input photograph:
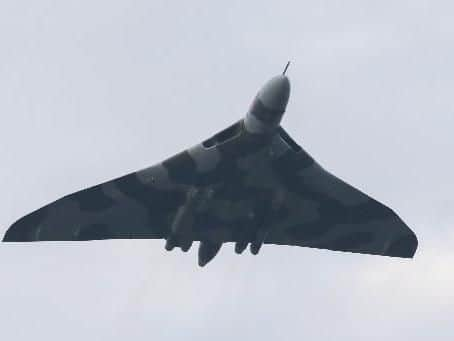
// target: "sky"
[[91, 90]]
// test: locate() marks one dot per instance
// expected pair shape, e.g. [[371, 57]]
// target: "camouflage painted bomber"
[[249, 184]]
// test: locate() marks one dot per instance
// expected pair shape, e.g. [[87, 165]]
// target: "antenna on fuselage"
[[285, 69]]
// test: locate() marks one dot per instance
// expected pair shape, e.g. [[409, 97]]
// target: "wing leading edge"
[[333, 215], [316, 209], [250, 184]]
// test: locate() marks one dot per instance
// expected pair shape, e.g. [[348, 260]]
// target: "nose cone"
[[268, 107], [275, 93]]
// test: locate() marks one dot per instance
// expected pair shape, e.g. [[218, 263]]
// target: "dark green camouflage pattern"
[[243, 185]]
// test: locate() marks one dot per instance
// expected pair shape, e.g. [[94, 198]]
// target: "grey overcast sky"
[[91, 90]]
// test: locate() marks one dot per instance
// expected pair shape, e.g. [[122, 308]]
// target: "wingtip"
[[11, 235], [404, 247], [24, 229]]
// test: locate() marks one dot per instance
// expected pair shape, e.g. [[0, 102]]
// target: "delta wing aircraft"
[[250, 184]]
